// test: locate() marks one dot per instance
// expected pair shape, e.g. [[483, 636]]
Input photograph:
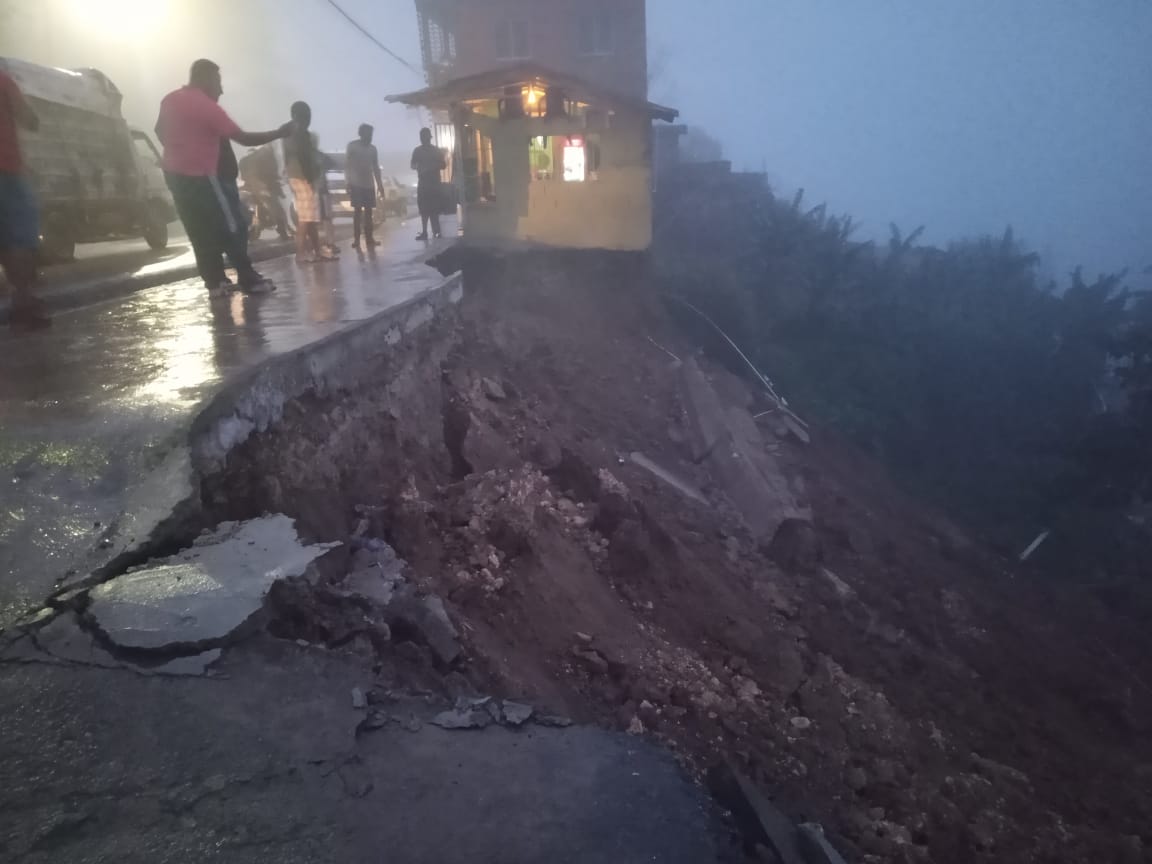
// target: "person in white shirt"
[[362, 175]]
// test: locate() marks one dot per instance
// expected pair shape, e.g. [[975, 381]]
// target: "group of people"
[[202, 174], [201, 171]]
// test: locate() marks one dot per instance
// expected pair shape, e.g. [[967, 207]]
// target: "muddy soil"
[[877, 670]]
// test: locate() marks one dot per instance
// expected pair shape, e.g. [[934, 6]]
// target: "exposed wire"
[[662, 348], [372, 38]]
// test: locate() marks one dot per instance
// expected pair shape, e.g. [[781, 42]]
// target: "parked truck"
[[96, 177]]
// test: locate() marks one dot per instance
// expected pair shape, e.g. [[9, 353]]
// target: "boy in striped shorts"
[[305, 170]]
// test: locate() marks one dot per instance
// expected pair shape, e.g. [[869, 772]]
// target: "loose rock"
[[517, 714], [554, 721], [795, 546], [470, 718], [493, 389], [592, 658], [856, 779], [428, 618]]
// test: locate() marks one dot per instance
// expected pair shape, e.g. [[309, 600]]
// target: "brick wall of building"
[[603, 41]]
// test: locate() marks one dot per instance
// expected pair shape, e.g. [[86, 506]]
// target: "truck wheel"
[[57, 240], [156, 227]]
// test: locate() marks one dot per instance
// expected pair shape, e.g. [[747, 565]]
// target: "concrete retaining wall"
[[335, 363]]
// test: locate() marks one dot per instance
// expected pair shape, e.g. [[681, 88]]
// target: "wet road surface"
[[103, 271], [264, 764], [94, 412]]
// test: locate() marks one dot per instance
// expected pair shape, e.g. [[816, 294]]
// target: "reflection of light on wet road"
[[181, 355], [95, 411], [236, 308], [185, 260]]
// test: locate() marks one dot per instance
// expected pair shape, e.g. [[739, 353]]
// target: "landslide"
[[875, 668]]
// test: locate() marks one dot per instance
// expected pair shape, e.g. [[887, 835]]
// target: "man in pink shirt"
[[191, 127]]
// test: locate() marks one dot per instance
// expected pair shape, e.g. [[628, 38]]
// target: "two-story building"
[[543, 106], [603, 42]]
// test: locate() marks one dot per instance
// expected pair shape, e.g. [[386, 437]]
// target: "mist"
[[271, 54], [964, 117]]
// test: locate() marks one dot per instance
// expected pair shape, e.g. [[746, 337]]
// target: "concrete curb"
[[256, 401], [168, 504]]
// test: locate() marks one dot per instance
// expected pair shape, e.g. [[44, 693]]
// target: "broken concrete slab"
[[374, 584], [729, 443], [199, 597], [516, 714], [462, 718], [427, 618], [776, 828]]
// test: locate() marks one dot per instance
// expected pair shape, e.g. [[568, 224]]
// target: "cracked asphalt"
[[262, 763], [107, 758], [95, 411]]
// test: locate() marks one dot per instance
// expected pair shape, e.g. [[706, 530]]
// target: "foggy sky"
[[962, 115]]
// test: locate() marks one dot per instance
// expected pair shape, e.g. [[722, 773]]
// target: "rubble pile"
[[743, 596]]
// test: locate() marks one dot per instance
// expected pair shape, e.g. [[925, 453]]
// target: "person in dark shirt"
[[428, 161], [236, 245], [191, 126], [19, 216]]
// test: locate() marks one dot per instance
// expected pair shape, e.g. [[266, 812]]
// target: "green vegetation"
[[1017, 404]]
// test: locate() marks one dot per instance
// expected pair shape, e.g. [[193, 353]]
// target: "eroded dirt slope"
[[879, 672]]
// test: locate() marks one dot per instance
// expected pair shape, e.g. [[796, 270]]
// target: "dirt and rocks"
[[851, 651]]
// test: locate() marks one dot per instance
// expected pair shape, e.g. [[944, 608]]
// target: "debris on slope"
[[803, 621]]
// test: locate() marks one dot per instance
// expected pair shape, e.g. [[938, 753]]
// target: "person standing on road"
[[362, 175], [228, 173], [303, 165], [428, 161], [19, 217], [328, 247], [191, 127]]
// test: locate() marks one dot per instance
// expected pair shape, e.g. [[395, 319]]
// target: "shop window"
[[595, 32], [540, 157], [512, 39], [575, 160]]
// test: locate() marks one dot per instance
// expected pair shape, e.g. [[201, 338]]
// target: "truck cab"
[[95, 177]]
